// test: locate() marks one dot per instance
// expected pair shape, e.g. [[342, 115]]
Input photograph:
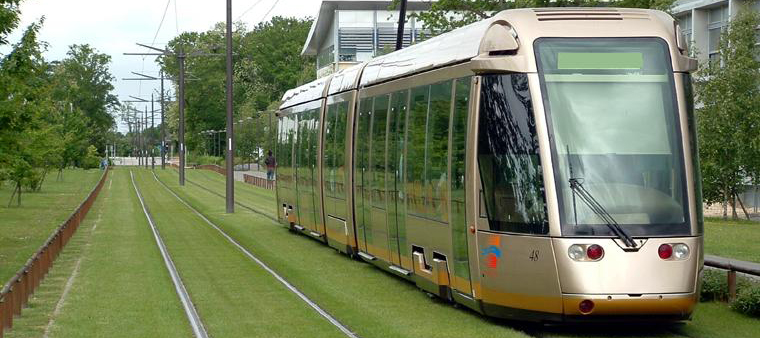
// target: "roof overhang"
[[324, 19]]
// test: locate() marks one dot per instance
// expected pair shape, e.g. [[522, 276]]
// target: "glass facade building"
[[349, 32]]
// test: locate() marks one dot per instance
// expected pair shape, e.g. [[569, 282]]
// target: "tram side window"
[[379, 131], [437, 152], [340, 152], [508, 157], [328, 157], [415, 160]]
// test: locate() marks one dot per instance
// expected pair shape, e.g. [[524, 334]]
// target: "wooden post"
[[731, 285]]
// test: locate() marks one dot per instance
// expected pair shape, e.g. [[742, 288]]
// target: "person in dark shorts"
[[271, 164]]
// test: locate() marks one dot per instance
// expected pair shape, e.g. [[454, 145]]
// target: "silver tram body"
[[537, 165]]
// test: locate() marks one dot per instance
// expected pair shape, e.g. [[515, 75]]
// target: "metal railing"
[[14, 296], [732, 266]]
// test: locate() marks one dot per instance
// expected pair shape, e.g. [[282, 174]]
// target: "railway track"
[[334, 321], [192, 315], [254, 210]]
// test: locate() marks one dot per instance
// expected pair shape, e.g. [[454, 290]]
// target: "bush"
[[714, 286], [33, 181], [91, 159], [748, 300]]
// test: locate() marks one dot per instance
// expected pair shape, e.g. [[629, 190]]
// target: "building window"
[[326, 57], [717, 19], [685, 24]]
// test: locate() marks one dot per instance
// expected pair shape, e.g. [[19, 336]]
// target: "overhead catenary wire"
[[248, 10], [270, 10]]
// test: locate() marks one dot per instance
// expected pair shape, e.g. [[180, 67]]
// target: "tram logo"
[[492, 253]]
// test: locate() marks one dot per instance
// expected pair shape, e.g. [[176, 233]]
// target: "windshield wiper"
[[576, 185]]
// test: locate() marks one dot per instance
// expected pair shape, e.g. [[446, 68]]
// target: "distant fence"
[[15, 294], [732, 267], [250, 179], [259, 181]]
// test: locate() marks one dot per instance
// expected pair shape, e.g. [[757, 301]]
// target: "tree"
[[273, 62], [22, 94], [728, 88], [85, 83], [9, 17], [445, 15]]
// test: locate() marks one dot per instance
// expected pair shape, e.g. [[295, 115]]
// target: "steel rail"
[[192, 315], [282, 280], [236, 202]]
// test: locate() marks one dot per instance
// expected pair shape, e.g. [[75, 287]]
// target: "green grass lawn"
[[733, 239], [376, 304], [24, 229], [369, 301], [120, 288], [234, 296]]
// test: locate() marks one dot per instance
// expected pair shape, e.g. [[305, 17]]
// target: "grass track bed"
[[369, 301], [233, 295], [121, 288], [24, 229], [376, 304]]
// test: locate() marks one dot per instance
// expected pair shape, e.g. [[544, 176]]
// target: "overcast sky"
[[113, 27]]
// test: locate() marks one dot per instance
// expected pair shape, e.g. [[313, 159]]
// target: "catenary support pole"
[[163, 125], [401, 21], [181, 132], [230, 136], [145, 138], [153, 129]]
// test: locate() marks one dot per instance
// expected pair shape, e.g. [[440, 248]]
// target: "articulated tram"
[[537, 165]]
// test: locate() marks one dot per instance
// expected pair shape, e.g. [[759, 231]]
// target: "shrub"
[[91, 159], [748, 300], [714, 286]]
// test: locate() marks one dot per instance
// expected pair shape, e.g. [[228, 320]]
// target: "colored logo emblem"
[[492, 253]]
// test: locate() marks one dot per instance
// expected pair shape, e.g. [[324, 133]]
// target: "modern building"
[[702, 22], [347, 32]]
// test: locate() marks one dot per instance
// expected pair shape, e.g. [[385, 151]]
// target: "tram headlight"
[[680, 251], [577, 252]]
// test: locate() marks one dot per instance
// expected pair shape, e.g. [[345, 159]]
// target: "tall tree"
[[729, 89], [22, 98], [445, 15], [272, 61], [9, 18], [86, 84]]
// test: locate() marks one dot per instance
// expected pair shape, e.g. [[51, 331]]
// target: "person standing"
[[271, 163]]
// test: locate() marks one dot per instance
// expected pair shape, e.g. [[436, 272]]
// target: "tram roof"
[[474, 40]]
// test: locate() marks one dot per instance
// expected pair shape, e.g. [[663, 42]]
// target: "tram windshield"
[[615, 132]]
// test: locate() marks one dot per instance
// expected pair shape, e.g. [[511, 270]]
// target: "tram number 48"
[[534, 255]]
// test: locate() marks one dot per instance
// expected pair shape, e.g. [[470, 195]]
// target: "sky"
[[113, 27]]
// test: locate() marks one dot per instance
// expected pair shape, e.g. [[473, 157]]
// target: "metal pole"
[[401, 19], [163, 126], [181, 99], [153, 127], [145, 138], [230, 138]]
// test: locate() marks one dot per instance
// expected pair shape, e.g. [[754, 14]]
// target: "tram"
[[538, 165]]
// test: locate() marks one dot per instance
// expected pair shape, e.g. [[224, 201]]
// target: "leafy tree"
[[9, 18], [272, 61], [267, 63], [729, 90], [85, 82], [22, 96], [445, 15]]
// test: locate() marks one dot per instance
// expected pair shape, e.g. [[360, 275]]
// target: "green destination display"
[[600, 60]]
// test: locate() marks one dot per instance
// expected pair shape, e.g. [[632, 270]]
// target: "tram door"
[[395, 177]]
